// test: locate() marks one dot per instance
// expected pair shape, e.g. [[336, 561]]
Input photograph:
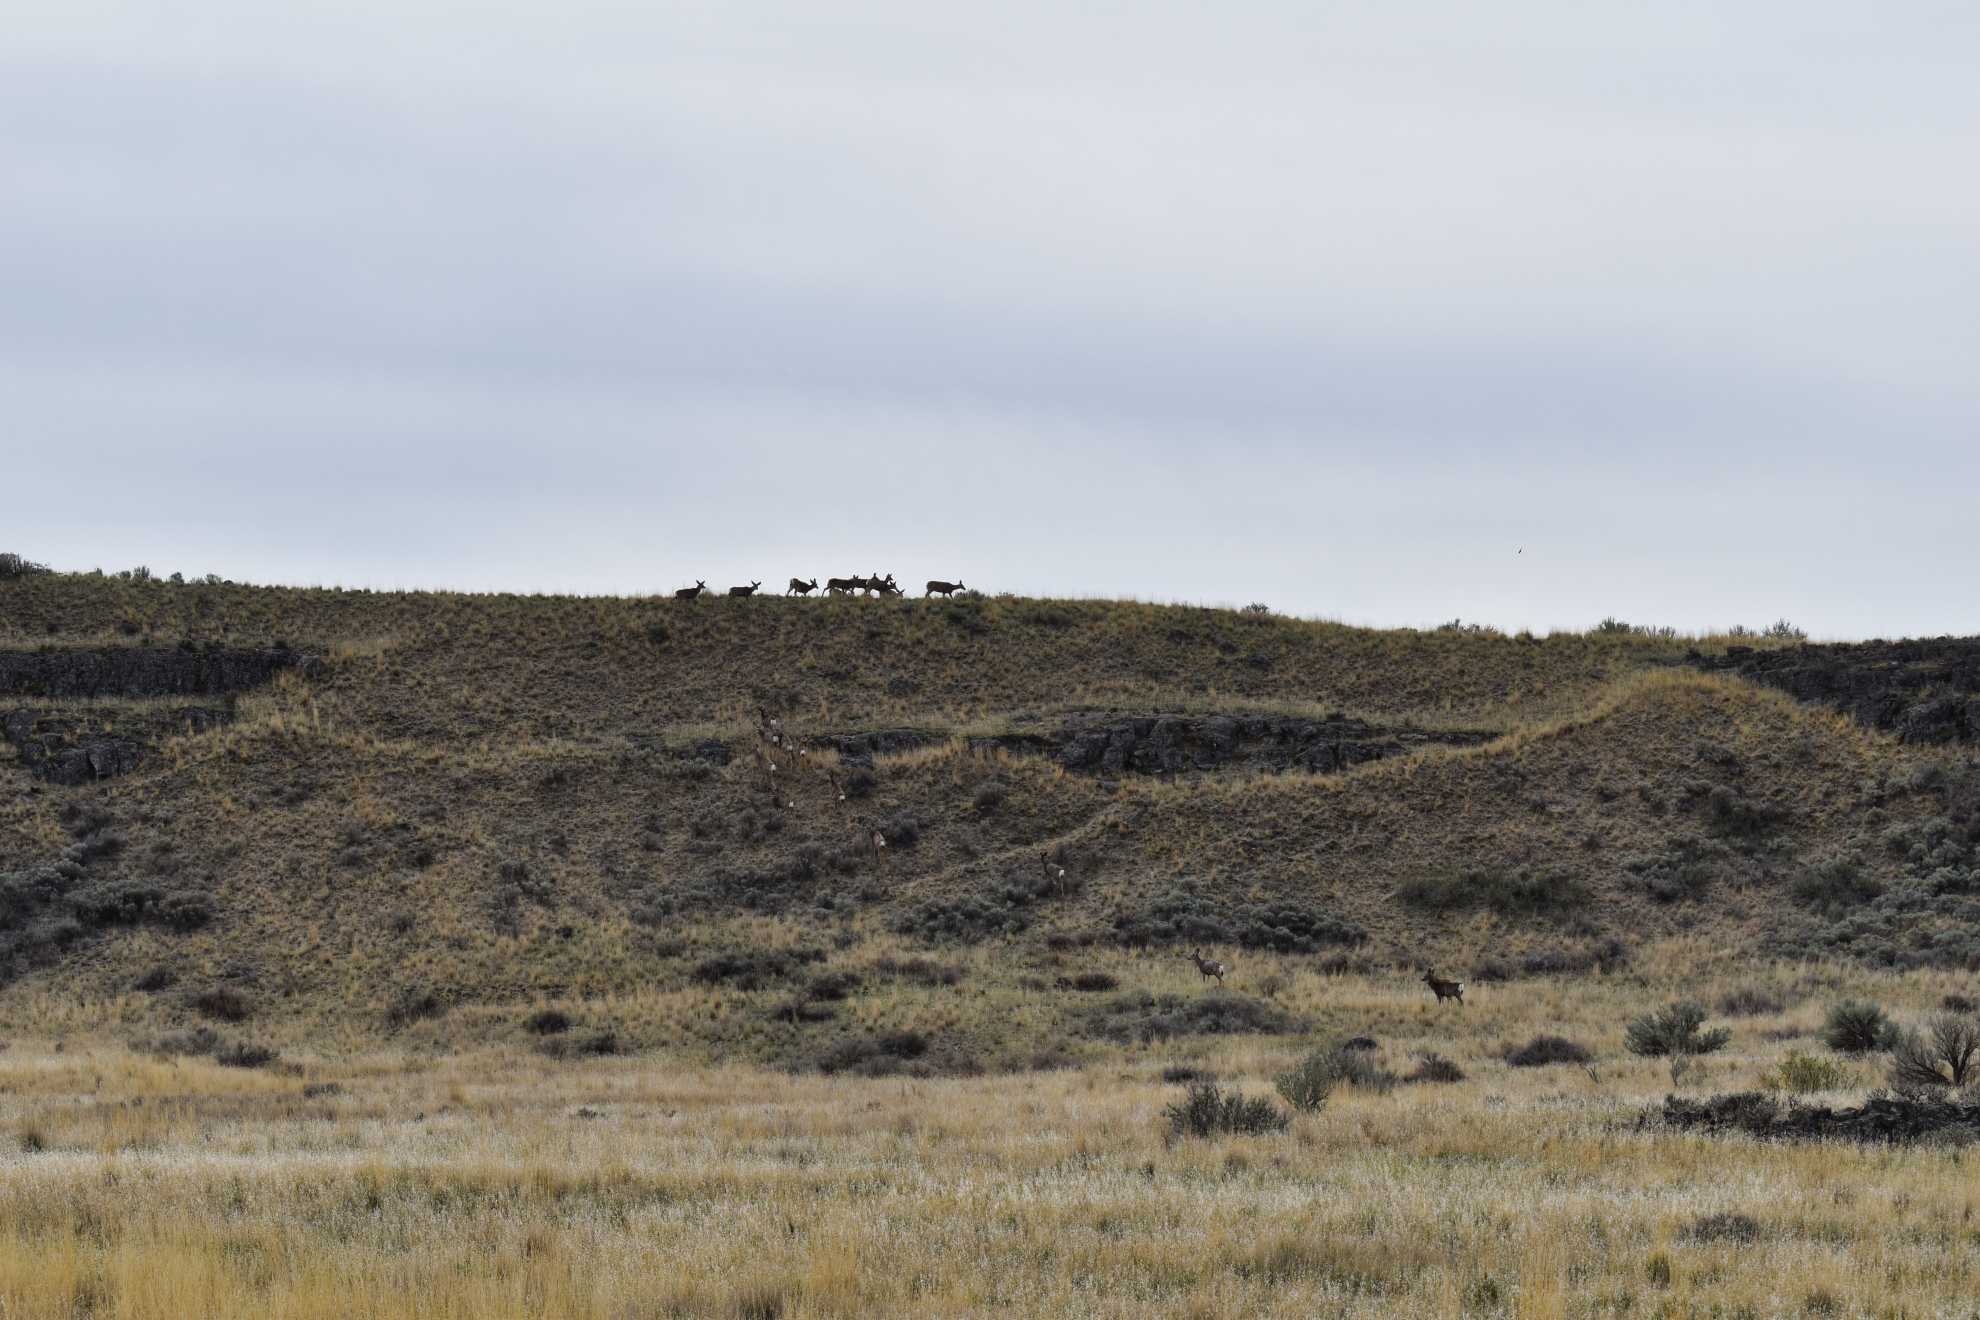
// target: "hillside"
[[423, 816]]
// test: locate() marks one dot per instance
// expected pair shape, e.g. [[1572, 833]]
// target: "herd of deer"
[[873, 585]]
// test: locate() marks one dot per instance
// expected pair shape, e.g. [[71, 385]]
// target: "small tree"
[[1944, 1058], [1857, 1027], [1673, 1030]]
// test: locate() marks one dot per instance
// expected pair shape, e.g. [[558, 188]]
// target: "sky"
[[1527, 314]]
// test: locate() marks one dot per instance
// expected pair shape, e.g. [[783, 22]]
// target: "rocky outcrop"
[[859, 748], [1921, 691], [1166, 744], [65, 749], [127, 673], [1880, 1119], [1112, 744]]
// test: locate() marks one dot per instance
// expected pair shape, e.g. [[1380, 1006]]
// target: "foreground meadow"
[[498, 1182]]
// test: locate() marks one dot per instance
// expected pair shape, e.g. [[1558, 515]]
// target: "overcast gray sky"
[[1390, 313]]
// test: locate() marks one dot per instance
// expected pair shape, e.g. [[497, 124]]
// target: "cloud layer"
[[1533, 314]]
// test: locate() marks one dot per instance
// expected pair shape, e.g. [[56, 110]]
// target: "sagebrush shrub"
[[1206, 1111], [222, 1002], [1750, 1001], [1544, 1050], [1673, 1029], [1434, 1067], [1805, 1073], [1858, 1027]]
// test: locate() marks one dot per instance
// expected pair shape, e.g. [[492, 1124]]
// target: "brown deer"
[[749, 590], [1055, 875], [942, 589], [801, 588], [844, 586], [1208, 968], [838, 789], [768, 766], [689, 593], [1445, 989], [879, 849]]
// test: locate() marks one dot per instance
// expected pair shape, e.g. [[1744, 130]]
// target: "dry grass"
[[496, 1183]]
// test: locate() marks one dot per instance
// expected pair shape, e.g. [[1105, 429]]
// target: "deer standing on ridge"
[[942, 589], [750, 590], [689, 593], [801, 588]]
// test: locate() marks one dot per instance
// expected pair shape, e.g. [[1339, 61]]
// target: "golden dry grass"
[[493, 1183]]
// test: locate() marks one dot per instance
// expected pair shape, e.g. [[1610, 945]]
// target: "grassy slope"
[[352, 826]]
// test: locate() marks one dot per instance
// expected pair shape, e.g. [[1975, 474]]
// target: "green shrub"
[[1182, 913], [1858, 1027], [1205, 1112], [1837, 884], [1508, 891], [1434, 1067], [1543, 1050], [1673, 1029], [1804, 1073], [1307, 1084]]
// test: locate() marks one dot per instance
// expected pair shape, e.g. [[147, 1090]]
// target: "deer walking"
[[838, 789], [768, 766], [749, 590], [942, 589], [1445, 989], [1208, 968], [880, 849], [689, 593], [801, 588], [844, 586]]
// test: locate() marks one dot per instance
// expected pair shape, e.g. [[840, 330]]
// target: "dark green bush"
[[1136, 1015], [749, 969], [1673, 1029], [1434, 1067], [1544, 1050], [1206, 1112], [1183, 914], [222, 1002], [1306, 1085], [1506, 890], [547, 1022], [1837, 884], [1858, 1027]]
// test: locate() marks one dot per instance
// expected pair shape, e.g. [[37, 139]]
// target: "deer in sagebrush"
[[689, 593], [1207, 968], [749, 590], [1055, 875], [942, 589], [801, 587], [838, 788], [1445, 989]]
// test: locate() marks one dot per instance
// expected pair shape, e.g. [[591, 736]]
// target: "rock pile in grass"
[[1879, 1119]]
